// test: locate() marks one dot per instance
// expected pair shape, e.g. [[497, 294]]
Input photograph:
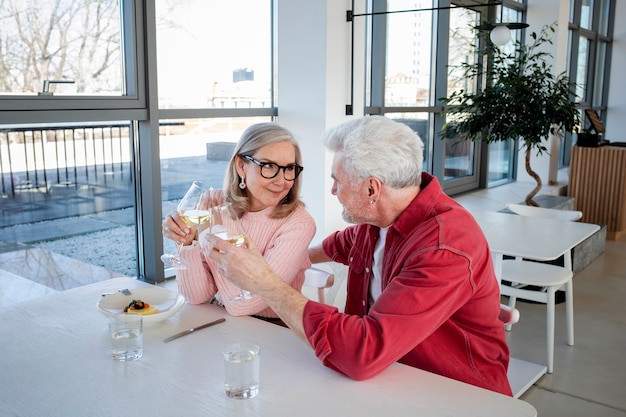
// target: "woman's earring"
[[242, 184]]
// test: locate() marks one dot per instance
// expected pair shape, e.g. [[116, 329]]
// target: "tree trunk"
[[529, 198]]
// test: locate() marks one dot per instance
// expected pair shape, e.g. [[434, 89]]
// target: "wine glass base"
[[171, 261], [243, 296]]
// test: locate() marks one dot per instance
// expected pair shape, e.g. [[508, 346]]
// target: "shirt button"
[[363, 303], [367, 270]]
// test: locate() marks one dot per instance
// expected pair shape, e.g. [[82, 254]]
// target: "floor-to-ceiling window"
[[214, 61], [212, 90], [412, 54], [109, 108], [591, 25], [71, 85]]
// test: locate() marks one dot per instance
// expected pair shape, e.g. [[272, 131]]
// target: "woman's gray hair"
[[252, 139], [376, 146]]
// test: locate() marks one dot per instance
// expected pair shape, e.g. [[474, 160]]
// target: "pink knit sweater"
[[284, 244]]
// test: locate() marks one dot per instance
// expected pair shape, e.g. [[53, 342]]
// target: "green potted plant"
[[523, 99]]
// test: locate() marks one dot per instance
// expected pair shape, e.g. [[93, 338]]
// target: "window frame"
[[67, 108], [594, 99]]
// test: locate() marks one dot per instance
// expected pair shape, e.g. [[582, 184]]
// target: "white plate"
[[168, 302]]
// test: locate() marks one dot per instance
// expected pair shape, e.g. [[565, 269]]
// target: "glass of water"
[[242, 366], [126, 332]]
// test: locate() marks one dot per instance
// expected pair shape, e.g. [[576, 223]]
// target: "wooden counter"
[[597, 181]]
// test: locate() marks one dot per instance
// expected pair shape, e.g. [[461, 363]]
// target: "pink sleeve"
[[196, 282]]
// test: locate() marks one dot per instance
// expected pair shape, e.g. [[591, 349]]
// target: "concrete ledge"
[[555, 202], [589, 249], [219, 151]]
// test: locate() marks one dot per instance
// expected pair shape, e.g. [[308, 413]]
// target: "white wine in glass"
[[195, 217], [225, 224], [193, 209]]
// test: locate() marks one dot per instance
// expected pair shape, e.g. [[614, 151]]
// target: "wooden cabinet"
[[597, 181]]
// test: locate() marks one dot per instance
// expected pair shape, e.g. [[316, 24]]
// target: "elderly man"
[[421, 287]]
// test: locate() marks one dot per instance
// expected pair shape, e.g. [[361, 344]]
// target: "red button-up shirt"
[[440, 299]]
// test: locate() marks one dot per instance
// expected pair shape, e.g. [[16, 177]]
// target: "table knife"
[[193, 329]]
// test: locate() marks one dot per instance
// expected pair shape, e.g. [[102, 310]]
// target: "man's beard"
[[347, 217], [359, 217]]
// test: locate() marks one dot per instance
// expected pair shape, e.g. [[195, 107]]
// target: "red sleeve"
[[416, 302], [337, 245]]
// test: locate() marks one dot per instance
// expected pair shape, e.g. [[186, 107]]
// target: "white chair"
[[508, 315], [558, 214], [320, 279], [521, 374], [523, 275]]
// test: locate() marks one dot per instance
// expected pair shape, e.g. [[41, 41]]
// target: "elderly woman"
[[263, 184]]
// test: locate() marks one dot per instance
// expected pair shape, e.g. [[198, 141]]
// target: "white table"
[[535, 238], [55, 361]]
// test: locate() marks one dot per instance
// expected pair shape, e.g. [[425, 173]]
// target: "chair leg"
[[569, 311], [321, 295], [512, 301], [550, 328]]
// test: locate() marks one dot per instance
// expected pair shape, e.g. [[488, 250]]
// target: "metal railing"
[[35, 158]]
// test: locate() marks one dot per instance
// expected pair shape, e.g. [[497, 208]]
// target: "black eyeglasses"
[[269, 170]]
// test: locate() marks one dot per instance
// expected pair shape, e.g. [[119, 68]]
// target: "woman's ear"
[[239, 166]]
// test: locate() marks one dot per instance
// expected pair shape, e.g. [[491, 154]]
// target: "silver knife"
[[193, 329]]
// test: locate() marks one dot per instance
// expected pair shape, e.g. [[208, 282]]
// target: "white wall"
[[313, 90]]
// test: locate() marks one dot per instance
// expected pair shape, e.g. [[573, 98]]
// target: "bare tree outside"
[[77, 40]]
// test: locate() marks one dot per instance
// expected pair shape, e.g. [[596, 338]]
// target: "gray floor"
[[589, 378]]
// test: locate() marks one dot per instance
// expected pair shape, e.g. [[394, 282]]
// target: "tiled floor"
[[589, 378]]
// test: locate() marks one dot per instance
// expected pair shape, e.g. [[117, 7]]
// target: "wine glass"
[[225, 224], [193, 209]]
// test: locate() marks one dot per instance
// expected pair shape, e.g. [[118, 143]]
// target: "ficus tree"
[[523, 99]]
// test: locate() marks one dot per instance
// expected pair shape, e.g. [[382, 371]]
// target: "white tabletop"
[[531, 237], [55, 361]]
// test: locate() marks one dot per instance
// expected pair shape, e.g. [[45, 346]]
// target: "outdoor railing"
[[35, 158]]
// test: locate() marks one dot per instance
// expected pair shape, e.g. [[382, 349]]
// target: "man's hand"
[[247, 269], [243, 265]]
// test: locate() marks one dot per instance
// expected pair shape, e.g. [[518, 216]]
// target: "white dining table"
[[55, 361], [536, 238]]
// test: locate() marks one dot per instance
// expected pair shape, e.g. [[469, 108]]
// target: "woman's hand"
[[176, 229]]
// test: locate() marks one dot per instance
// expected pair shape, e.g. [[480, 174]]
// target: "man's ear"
[[374, 187]]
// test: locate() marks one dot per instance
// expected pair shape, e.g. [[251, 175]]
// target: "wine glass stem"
[[179, 248]]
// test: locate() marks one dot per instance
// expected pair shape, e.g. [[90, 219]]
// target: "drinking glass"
[[126, 336], [225, 224], [193, 209], [242, 366]]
